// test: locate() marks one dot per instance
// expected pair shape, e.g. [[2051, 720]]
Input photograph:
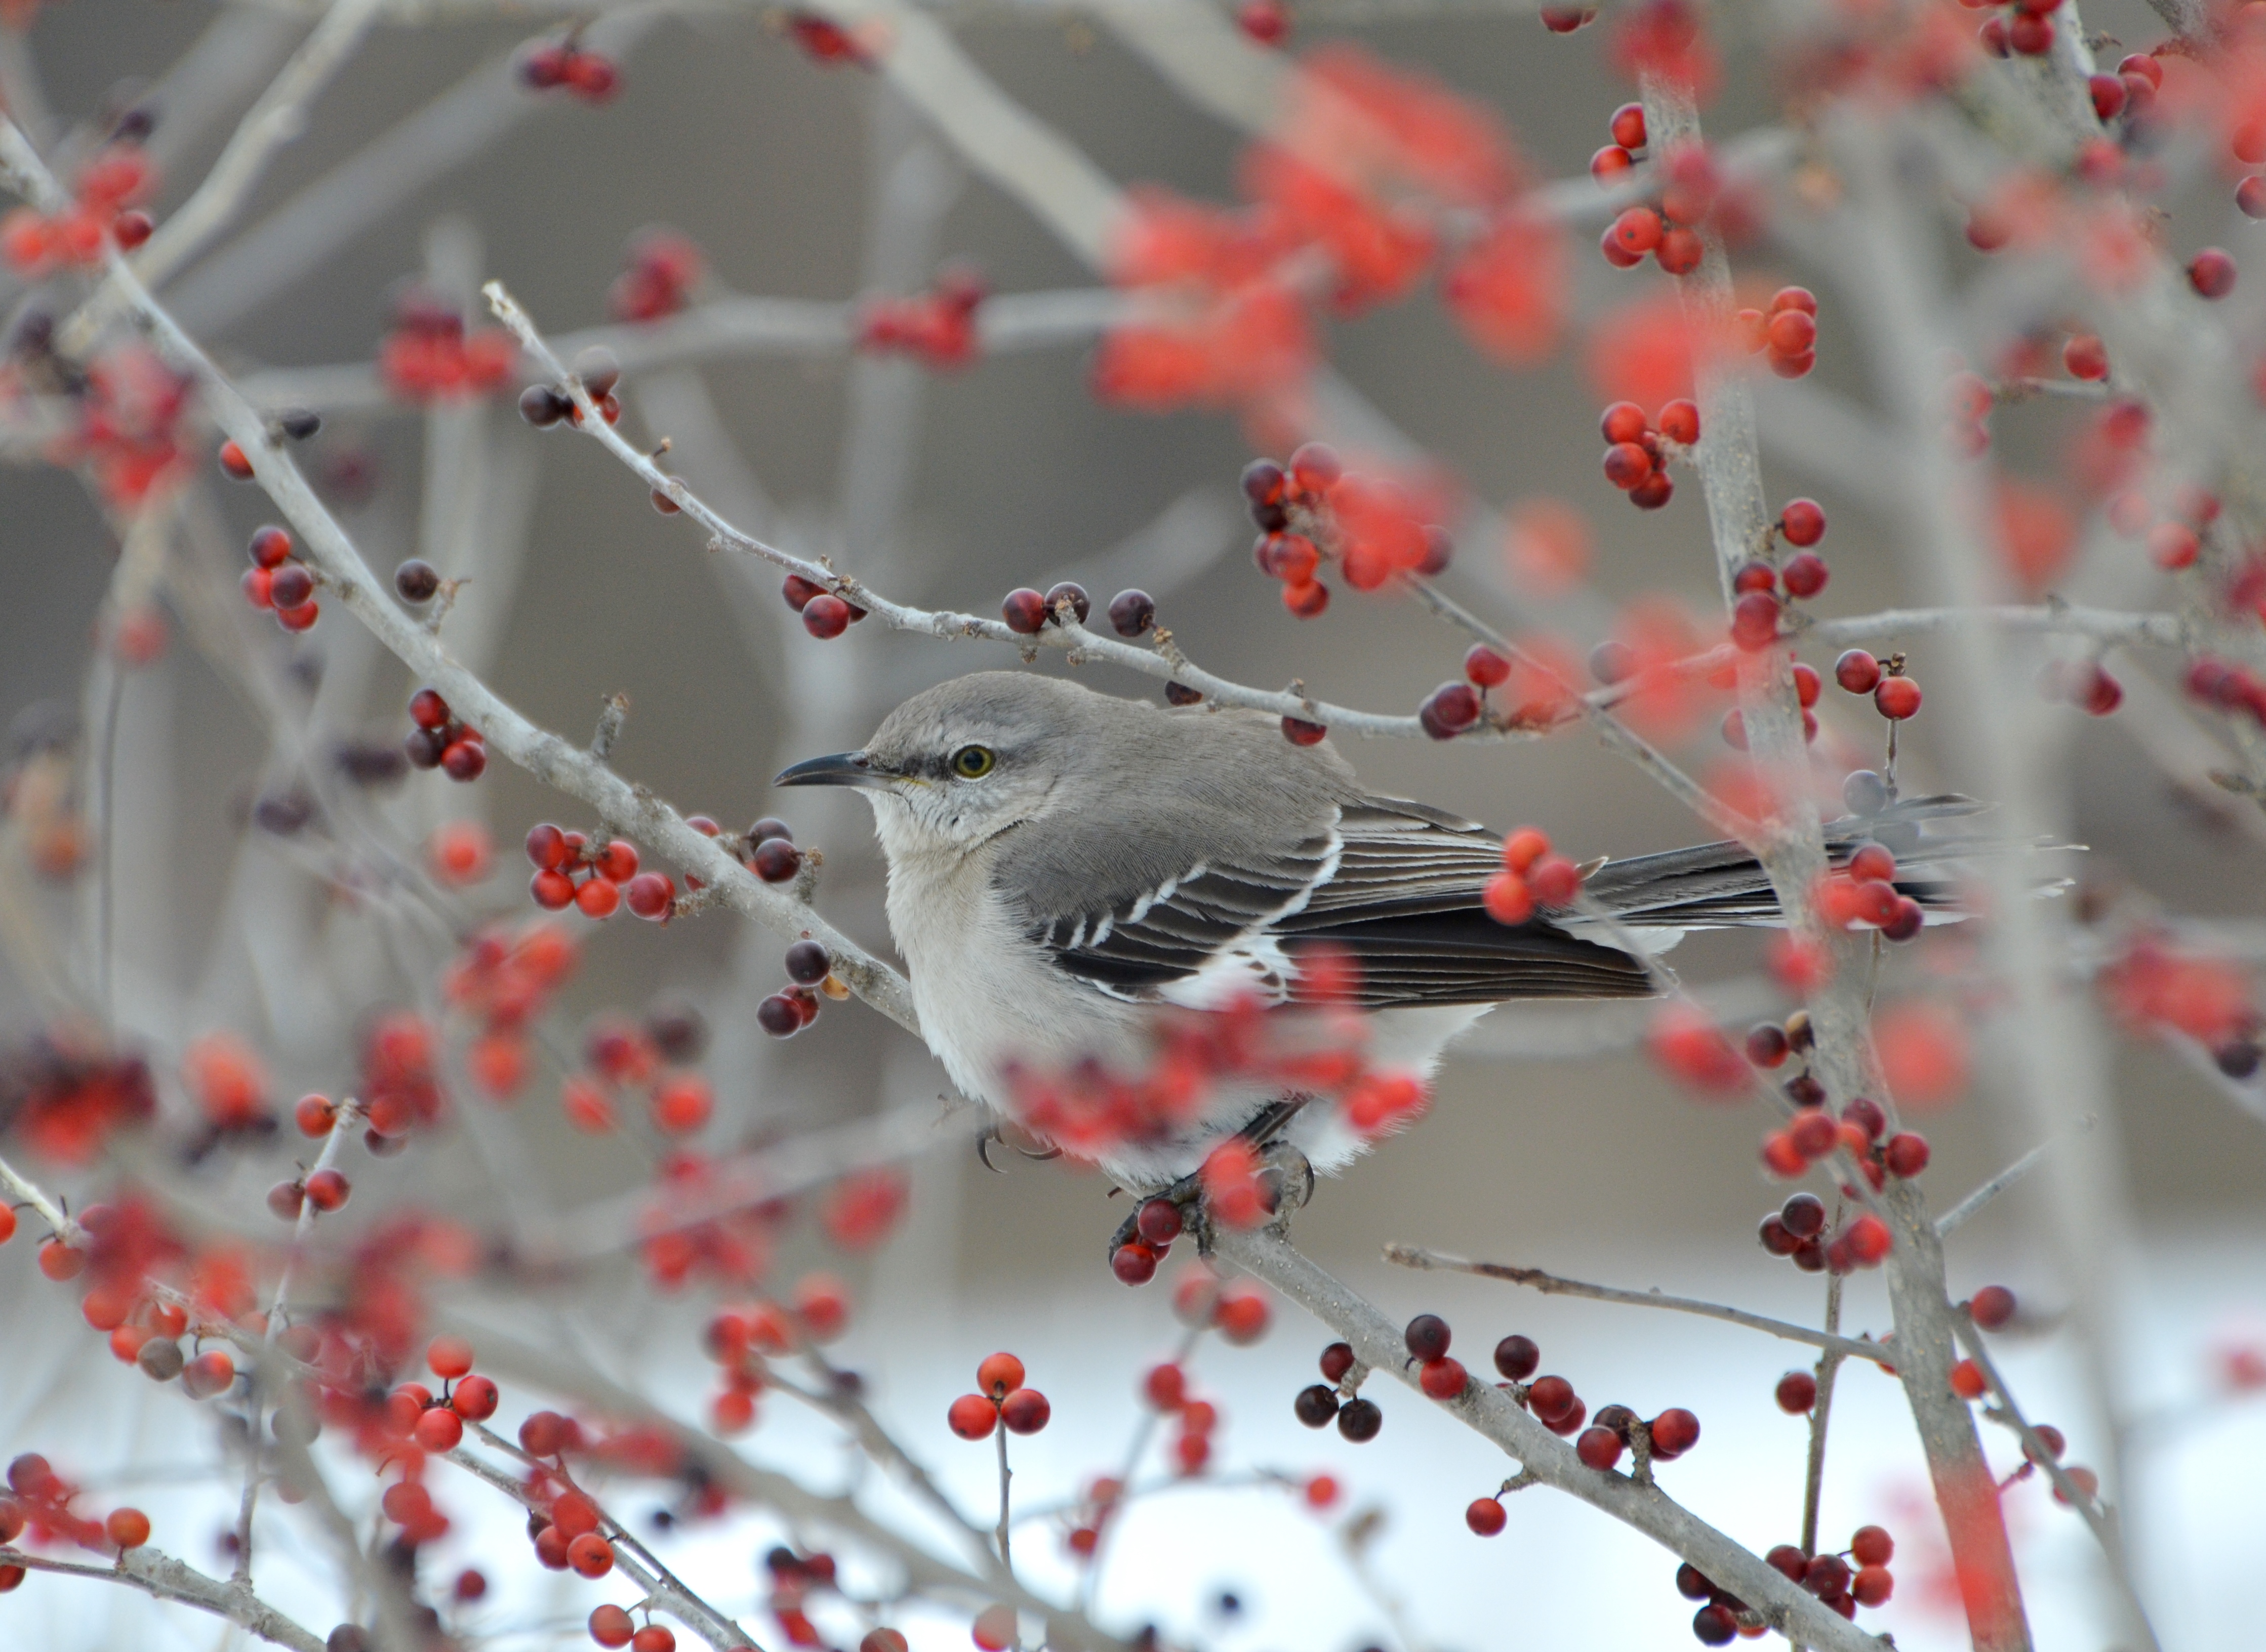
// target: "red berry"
[[258, 586], [1131, 613], [440, 1429], [591, 1555], [1807, 683], [2086, 357], [1627, 126], [1680, 251], [2173, 545], [1992, 1307], [598, 896], [1873, 1584], [2212, 272], [999, 1374], [328, 1189], [1791, 332], [1025, 1411], [2250, 196], [654, 1638], [1896, 698], [1307, 600], [1610, 164], [776, 861], [1554, 881], [1793, 298], [1754, 576], [1870, 1239], [1623, 421], [270, 546], [1653, 492], [1857, 671], [233, 463], [1485, 1516], [1133, 1264], [1551, 1398], [1754, 620], [1025, 610], [651, 896], [2108, 92], [1315, 467], [463, 759], [973, 1417], [1679, 421], [1797, 1392], [1636, 231], [826, 616], [1442, 1378], [1872, 1546], [1626, 465], [1804, 575], [1299, 732], [1674, 1432], [1715, 1626], [1483, 666], [1802, 522], [475, 1398], [1599, 1448], [1905, 1154], [1967, 1380], [1449, 710]]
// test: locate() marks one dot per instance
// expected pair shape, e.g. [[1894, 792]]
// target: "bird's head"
[[956, 765]]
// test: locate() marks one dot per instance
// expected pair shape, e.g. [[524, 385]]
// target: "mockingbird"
[[1066, 867]]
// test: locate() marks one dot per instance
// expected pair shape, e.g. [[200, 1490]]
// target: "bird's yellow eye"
[[973, 763]]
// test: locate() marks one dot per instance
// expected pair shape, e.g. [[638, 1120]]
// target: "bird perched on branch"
[[1069, 871]]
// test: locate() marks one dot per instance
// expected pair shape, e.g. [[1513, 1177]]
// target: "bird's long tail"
[[1723, 886]]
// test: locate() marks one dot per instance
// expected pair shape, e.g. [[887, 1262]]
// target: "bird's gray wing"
[[1392, 887]]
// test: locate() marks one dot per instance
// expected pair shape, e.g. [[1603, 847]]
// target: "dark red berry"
[[464, 759], [291, 585], [270, 547], [1691, 1582], [1449, 710], [1674, 1432], [779, 1016], [1074, 594], [1337, 1359], [1359, 1419], [416, 582], [1715, 1626], [1299, 732], [1766, 1044], [825, 615], [1754, 620], [1804, 575], [1551, 1398], [1427, 1336], [1857, 671], [1896, 698], [1599, 1448], [1797, 1392], [798, 591], [1317, 1405], [808, 962], [1025, 612], [776, 861], [1905, 1155], [1517, 1357], [1992, 1307], [1158, 1222], [543, 406], [1131, 613], [1133, 1264], [1485, 1516]]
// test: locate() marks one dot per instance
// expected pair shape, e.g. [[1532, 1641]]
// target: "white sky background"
[[1561, 1576]]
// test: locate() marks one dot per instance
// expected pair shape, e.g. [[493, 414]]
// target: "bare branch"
[[1550, 1285], [165, 1578]]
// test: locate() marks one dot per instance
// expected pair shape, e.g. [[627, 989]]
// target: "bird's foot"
[[1282, 1182]]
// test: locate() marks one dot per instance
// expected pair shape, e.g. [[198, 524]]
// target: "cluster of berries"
[[1857, 1576], [611, 1625], [438, 741], [543, 405], [549, 65], [1895, 696], [1164, 1388], [794, 1577], [1670, 231], [2229, 687], [1797, 1228], [235, 463], [327, 1189], [620, 1055], [2025, 29], [609, 876], [740, 1340], [1531, 876], [824, 615], [664, 269], [938, 327], [1337, 1397], [1862, 892], [1786, 330], [33, 244], [1002, 1402], [400, 1079], [278, 583], [41, 1500], [1313, 510], [504, 981], [428, 353], [1635, 460], [810, 971]]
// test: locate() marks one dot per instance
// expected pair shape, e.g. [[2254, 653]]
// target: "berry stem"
[[1829, 1367]]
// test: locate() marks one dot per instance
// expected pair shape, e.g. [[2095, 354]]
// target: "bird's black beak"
[[844, 768]]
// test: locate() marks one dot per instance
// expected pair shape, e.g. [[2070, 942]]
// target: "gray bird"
[[1065, 866]]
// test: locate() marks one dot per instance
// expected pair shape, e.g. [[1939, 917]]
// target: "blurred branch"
[[1550, 1285], [277, 119], [165, 1578]]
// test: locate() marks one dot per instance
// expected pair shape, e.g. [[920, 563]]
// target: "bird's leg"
[[1285, 1174]]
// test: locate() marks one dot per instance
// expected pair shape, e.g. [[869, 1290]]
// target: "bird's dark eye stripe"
[[973, 763]]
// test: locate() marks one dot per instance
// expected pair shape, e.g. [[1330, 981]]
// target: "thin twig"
[[1829, 1367], [165, 1578], [1551, 1285]]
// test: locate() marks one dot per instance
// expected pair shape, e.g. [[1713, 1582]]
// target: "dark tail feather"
[[1722, 885]]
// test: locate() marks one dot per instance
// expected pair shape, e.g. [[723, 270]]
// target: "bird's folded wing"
[[1392, 887]]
